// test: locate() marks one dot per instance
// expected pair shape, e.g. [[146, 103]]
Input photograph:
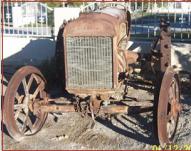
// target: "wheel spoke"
[[30, 81], [174, 116], [172, 89], [29, 123], [36, 78], [169, 116], [24, 124], [169, 129], [177, 92], [38, 115], [17, 113], [19, 106], [25, 86], [38, 89], [19, 98]]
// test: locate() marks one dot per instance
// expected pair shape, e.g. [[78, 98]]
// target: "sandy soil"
[[71, 131]]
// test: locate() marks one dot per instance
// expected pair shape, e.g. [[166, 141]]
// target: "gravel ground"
[[71, 131]]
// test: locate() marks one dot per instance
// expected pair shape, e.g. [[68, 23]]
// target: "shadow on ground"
[[141, 130]]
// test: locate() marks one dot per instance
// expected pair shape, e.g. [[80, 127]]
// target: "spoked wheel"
[[169, 108], [25, 88]]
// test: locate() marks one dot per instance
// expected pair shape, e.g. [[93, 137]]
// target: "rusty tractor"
[[96, 68]]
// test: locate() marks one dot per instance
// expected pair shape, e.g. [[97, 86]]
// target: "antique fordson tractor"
[[96, 70]]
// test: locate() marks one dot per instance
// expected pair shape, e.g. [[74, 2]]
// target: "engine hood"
[[95, 24]]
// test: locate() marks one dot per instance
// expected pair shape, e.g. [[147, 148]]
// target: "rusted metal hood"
[[102, 23], [115, 12]]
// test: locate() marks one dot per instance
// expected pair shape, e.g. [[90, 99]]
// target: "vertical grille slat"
[[89, 62]]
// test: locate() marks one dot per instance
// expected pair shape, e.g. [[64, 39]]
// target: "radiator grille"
[[89, 62]]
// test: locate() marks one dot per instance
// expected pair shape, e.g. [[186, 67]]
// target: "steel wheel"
[[169, 107], [25, 87]]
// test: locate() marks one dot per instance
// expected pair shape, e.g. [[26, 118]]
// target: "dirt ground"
[[71, 131]]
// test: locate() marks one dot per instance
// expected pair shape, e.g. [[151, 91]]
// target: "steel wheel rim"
[[168, 112], [13, 97]]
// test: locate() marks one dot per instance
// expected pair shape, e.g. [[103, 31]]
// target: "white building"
[[30, 13]]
